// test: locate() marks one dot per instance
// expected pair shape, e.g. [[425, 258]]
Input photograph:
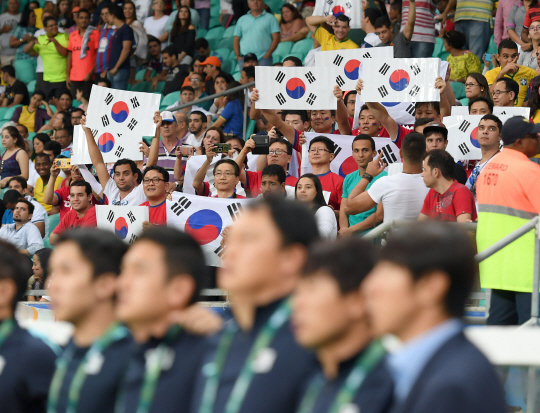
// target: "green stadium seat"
[[2, 124], [223, 53], [236, 76], [283, 49], [302, 46], [464, 101], [22, 5], [439, 46], [459, 89], [250, 128], [159, 88], [276, 58], [275, 5], [229, 65], [492, 49], [142, 87], [54, 220], [201, 33], [227, 38], [214, 36], [9, 112], [299, 55], [214, 22], [169, 99], [75, 103], [31, 87], [2, 112], [140, 74], [31, 136], [53, 108], [25, 70]]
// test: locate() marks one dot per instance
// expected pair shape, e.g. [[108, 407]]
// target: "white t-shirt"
[[135, 197], [402, 196], [371, 40], [156, 28], [7, 19], [326, 222], [193, 141]]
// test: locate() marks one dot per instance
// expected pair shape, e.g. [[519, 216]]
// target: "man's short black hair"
[[329, 143], [510, 85], [488, 101], [39, 93], [229, 162], [372, 15], [450, 251], [436, 106], [47, 19], [171, 51], [10, 70], [296, 60], [63, 91], [153, 39], [164, 173], [275, 170], [494, 119], [413, 147], [200, 114], [76, 110], [348, 95], [104, 80], [396, 5], [43, 155], [421, 122], [86, 185], [132, 166], [116, 11], [364, 137], [183, 255], [443, 161], [347, 260], [250, 71], [381, 22], [11, 196], [284, 142], [507, 44], [53, 146], [20, 180], [343, 18], [302, 113], [16, 267], [187, 88], [201, 42], [28, 204], [102, 249], [83, 11]]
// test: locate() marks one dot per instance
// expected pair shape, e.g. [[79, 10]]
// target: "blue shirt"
[[408, 362], [234, 117], [122, 34], [256, 33], [26, 237]]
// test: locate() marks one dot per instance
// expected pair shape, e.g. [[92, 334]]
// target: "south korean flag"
[[350, 8], [348, 63], [124, 221], [113, 146], [295, 88], [401, 80], [118, 111], [512, 111]]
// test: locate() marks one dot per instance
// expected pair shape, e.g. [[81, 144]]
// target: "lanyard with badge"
[[363, 366], [90, 364], [263, 340]]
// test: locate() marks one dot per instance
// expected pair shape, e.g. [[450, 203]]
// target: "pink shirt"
[[501, 18]]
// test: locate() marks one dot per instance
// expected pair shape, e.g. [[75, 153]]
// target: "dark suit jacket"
[[457, 379]]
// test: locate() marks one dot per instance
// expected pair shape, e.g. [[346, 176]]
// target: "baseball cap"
[[250, 56], [436, 127], [167, 116], [516, 128], [75, 9], [211, 60]]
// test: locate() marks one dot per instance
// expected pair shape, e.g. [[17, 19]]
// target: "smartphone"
[[187, 150], [223, 147], [63, 163], [488, 57]]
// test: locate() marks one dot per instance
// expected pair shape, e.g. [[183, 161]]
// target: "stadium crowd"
[[294, 257]]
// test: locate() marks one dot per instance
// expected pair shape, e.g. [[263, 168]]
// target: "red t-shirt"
[[157, 214], [332, 183], [72, 220], [253, 182], [81, 67], [63, 199], [532, 15], [457, 200]]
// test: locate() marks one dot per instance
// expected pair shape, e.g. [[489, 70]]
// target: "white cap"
[[167, 116]]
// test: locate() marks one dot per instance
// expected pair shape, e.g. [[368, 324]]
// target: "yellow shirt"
[[329, 42], [39, 191], [523, 77], [39, 13], [27, 119]]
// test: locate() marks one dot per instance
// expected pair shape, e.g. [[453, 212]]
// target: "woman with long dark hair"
[[231, 119], [40, 268], [23, 33], [534, 100], [15, 158], [476, 85], [292, 27], [141, 40], [39, 143], [183, 36], [309, 190]]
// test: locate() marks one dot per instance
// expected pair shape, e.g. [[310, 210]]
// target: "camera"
[[187, 150], [63, 163], [262, 145], [222, 147]]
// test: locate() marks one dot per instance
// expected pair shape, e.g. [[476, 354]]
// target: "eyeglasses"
[[155, 181], [471, 84], [534, 28], [277, 152], [498, 92], [228, 174], [317, 150], [195, 79]]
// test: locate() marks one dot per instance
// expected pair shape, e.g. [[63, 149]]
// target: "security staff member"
[[255, 364], [26, 362], [329, 316], [84, 268], [163, 272]]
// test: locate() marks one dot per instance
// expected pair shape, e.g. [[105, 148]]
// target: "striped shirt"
[[424, 27], [479, 10], [103, 51], [167, 159]]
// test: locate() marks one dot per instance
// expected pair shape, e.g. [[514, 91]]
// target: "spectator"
[[529, 57], [292, 61], [250, 60], [292, 26], [423, 38], [155, 68], [212, 68], [322, 28], [40, 269], [63, 102], [480, 106], [506, 92], [140, 38], [182, 130], [395, 16], [400, 42], [23, 235], [369, 18], [60, 120], [476, 85], [52, 149], [211, 138], [104, 50], [52, 48], [156, 182], [196, 81], [402, 195], [8, 21], [82, 53], [64, 137], [83, 96], [247, 75], [231, 119], [462, 62], [437, 138], [197, 129], [221, 84], [203, 8], [77, 113], [14, 158], [514, 21], [309, 190], [183, 36], [83, 214], [39, 216], [120, 49], [195, 19], [175, 73], [226, 176], [155, 25], [273, 182], [226, 13], [256, 32], [363, 150], [63, 11], [23, 33], [39, 142], [502, 26], [16, 92], [43, 168], [350, 103], [489, 138]]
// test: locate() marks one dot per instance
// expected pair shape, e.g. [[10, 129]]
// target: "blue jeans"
[[262, 62], [477, 33], [120, 79], [204, 14], [422, 49]]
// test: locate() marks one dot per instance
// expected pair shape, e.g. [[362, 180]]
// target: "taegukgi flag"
[[204, 218], [401, 80], [111, 146], [497, 111], [125, 221], [121, 112], [348, 63], [350, 8], [295, 88]]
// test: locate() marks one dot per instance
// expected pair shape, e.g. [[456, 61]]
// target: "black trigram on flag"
[[411, 109], [219, 251], [311, 99], [105, 120], [280, 76], [181, 205], [367, 55], [131, 217], [464, 126], [94, 132], [349, 5], [388, 155], [132, 124], [384, 69], [416, 69], [503, 113], [109, 99], [119, 151], [280, 98], [133, 238], [464, 148], [338, 60], [119, 135], [337, 150], [110, 216], [382, 90], [235, 210], [329, 2], [135, 102], [310, 77], [414, 91], [339, 80]]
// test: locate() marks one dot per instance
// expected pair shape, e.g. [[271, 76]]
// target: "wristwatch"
[[368, 177]]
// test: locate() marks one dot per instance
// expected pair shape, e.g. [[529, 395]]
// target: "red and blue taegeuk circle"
[[338, 11], [105, 142], [120, 112], [390, 104], [348, 166], [474, 139], [352, 69], [399, 80], [295, 88], [204, 225], [121, 228]]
